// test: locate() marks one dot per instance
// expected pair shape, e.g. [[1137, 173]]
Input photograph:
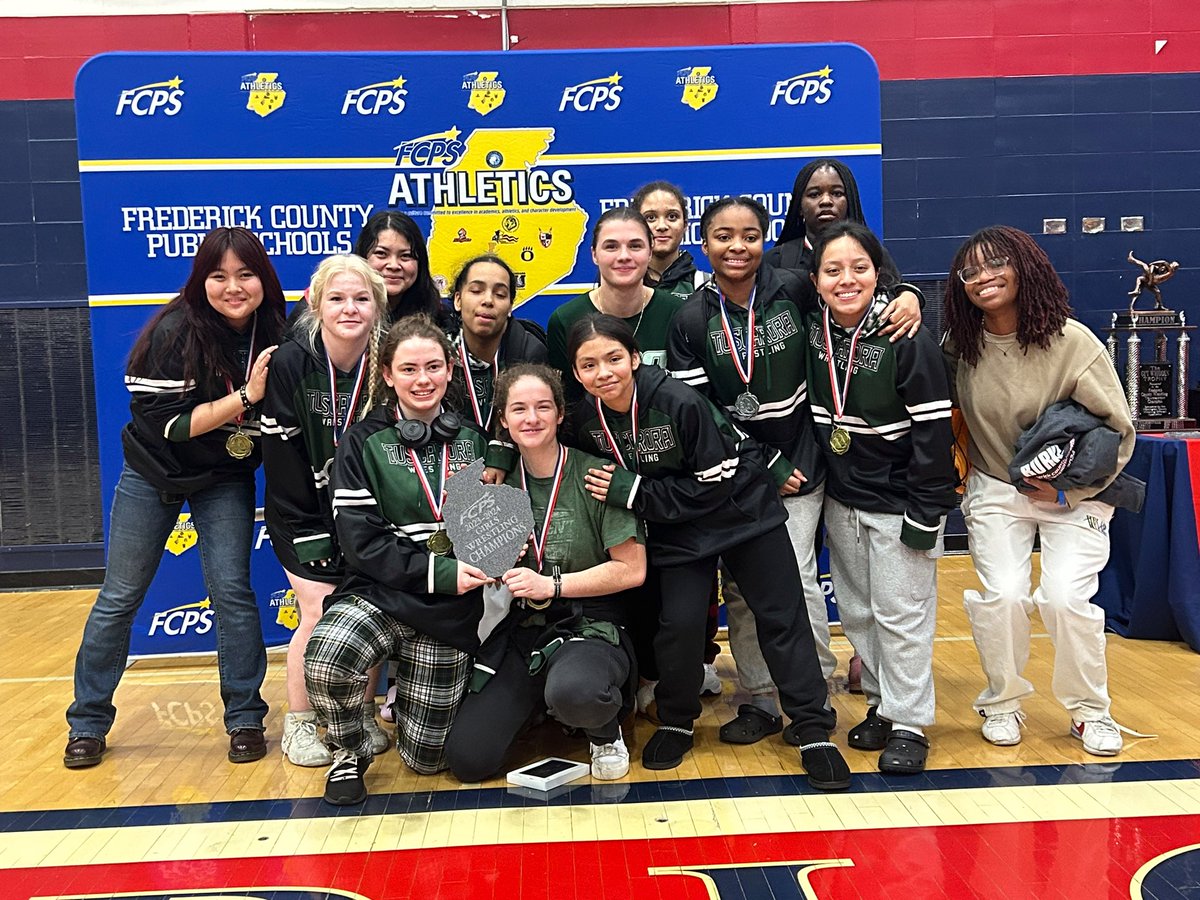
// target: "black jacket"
[[700, 484], [156, 442], [698, 356], [1071, 448]]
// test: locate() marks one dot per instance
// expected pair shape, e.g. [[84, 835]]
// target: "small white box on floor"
[[547, 774]]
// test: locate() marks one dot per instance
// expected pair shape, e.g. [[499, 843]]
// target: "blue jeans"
[[139, 527]]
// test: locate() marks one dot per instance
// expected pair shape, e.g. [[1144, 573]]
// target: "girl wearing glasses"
[[1016, 350]]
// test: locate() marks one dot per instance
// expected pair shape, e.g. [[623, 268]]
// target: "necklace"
[[641, 312]]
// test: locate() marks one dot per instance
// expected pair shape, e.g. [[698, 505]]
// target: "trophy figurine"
[[1153, 274], [1149, 385]]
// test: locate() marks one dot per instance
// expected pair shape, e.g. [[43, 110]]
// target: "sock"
[[896, 726], [765, 702]]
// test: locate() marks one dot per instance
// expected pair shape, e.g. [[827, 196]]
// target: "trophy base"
[[1170, 423]]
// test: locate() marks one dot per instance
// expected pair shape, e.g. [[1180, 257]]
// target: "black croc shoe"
[[751, 726], [905, 753], [871, 733]]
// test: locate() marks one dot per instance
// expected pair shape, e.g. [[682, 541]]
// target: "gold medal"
[[839, 440], [239, 445], [439, 543]]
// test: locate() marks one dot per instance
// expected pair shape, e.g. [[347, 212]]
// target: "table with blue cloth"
[[1151, 586]]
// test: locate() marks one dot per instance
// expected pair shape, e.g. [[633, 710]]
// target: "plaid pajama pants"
[[431, 679]]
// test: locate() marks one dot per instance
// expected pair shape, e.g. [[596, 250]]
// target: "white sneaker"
[[300, 743], [610, 761], [1004, 729], [1101, 737], [379, 738], [712, 681], [644, 697]]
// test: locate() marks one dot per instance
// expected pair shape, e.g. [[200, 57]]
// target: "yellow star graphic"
[[824, 73], [399, 82], [175, 82]]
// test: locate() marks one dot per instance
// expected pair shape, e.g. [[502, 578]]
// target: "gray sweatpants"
[[887, 596]]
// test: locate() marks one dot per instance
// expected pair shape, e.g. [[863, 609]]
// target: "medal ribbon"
[[745, 372], [249, 366], [840, 392], [539, 541], [359, 379], [612, 441], [466, 367], [435, 507]]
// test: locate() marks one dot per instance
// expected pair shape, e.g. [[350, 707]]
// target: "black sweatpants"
[[765, 569], [579, 687]]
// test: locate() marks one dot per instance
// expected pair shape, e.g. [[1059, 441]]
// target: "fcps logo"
[[372, 99], [799, 89], [159, 97], [604, 93]]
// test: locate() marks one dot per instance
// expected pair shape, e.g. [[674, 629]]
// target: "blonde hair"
[[309, 323]]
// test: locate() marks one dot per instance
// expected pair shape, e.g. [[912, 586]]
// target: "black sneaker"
[[344, 785]]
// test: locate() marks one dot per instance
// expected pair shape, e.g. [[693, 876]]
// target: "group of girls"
[[801, 389]]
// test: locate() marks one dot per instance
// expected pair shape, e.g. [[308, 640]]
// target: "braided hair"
[[1043, 305], [793, 223]]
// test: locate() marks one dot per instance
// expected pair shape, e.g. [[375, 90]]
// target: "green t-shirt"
[[651, 327], [582, 529]]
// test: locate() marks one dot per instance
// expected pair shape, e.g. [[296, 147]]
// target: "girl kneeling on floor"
[[405, 596], [882, 416], [562, 648]]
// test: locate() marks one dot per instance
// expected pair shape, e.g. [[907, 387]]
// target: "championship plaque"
[[489, 524]]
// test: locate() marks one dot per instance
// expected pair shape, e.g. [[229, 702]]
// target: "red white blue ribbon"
[[745, 372], [539, 539], [359, 379], [612, 441]]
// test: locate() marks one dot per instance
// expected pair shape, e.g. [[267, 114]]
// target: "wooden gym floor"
[[166, 815]]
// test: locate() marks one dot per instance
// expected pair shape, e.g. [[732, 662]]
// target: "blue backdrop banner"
[[513, 153]]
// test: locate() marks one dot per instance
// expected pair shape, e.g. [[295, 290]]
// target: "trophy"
[[1149, 385]]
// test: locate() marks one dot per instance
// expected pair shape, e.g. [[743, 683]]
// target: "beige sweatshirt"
[[1008, 390]]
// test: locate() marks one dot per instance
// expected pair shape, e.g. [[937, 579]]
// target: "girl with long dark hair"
[[705, 494], [882, 423], [196, 376], [393, 245]]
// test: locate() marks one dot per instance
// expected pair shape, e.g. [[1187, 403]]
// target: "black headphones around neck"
[[416, 435]]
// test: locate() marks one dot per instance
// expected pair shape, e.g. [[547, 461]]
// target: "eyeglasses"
[[993, 266]]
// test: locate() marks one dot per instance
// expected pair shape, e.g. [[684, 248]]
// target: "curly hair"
[[416, 325], [510, 376], [1043, 305]]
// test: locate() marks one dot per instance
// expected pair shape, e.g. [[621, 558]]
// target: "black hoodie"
[[699, 483]]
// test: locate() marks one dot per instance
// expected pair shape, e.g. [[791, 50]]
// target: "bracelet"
[[246, 404], [557, 575]]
